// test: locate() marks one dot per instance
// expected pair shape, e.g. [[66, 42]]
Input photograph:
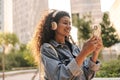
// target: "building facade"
[[82, 7], [26, 15], [6, 15], [115, 15], [1, 15]]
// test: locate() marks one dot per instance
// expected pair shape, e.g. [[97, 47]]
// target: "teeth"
[[67, 30]]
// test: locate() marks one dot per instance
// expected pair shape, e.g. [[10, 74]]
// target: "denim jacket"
[[60, 63]]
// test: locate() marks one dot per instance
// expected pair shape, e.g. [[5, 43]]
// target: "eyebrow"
[[66, 20]]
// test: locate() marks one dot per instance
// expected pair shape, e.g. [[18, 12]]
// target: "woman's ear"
[[54, 25]]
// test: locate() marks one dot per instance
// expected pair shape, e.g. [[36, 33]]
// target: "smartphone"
[[96, 30]]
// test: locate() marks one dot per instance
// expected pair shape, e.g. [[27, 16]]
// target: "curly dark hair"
[[43, 32], [48, 33]]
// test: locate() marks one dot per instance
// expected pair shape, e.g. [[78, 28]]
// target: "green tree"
[[109, 35], [27, 54], [17, 58], [83, 25], [5, 40], [8, 38]]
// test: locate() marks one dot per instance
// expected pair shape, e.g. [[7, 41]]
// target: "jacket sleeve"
[[90, 68], [55, 69]]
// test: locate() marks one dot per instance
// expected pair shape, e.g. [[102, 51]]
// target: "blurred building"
[[115, 15], [1, 15], [26, 14], [22, 16], [115, 19], [6, 15], [111, 53], [82, 7]]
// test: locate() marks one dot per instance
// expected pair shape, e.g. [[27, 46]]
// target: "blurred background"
[[18, 19]]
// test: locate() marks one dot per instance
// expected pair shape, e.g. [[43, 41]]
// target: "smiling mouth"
[[67, 31]]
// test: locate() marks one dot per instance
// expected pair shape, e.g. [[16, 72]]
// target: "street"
[[25, 76], [28, 75], [19, 75]]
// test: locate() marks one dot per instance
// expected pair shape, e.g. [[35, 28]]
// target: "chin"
[[67, 35]]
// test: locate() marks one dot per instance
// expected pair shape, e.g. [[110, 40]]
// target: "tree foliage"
[[109, 35], [21, 57], [8, 38], [109, 69], [83, 25], [18, 58]]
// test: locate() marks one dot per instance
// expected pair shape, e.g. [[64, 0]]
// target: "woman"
[[63, 60]]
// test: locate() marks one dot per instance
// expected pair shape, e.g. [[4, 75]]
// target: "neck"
[[60, 40]]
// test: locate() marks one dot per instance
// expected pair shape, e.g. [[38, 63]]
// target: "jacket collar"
[[54, 43]]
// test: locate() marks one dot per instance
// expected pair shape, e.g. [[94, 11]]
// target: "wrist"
[[94, 57], [80, 58]]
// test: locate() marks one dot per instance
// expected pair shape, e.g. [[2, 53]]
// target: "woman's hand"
[[97, 50], [89, 47]]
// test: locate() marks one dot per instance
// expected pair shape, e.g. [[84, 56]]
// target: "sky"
[[56, 4], [106, 4]]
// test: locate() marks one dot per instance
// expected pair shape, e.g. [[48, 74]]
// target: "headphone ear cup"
[[54, 25]]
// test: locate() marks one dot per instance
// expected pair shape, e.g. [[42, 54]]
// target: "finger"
[[100, 41], [99, 45], [93, 38], [95, 45], [94, 42]]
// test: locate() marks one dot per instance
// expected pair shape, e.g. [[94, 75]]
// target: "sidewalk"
[[31, 73], [10, 73], [106, 79]]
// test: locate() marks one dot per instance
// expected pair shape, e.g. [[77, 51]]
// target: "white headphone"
[[54, 24]]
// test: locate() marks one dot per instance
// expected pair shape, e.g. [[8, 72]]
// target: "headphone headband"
[[55, 13]]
